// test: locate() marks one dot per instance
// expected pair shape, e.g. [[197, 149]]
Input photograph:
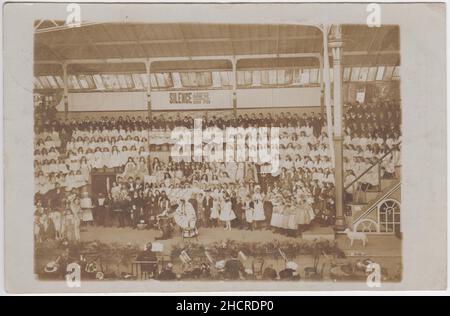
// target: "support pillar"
[[327, 90], [149, 89], [234, 62], [66, 91], [322, 87], [336, 49]]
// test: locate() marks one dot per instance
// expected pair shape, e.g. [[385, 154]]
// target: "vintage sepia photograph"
[[236, 152], [124, 189]]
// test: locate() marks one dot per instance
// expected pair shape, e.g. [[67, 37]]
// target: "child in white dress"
[[98, 158], [86, 208], [215, 210], [226, 213], [115, 160], [258, 215], [249, 211]]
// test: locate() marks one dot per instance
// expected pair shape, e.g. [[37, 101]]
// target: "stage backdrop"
[[107, 101], [193, 100], [278, 97]]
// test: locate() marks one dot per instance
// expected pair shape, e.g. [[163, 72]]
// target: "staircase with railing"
[[376, 208]]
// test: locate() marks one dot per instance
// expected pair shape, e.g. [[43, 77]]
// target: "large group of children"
[[237, 194]]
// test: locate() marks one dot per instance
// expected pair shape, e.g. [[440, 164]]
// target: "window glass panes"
[[355, 74], [388, 73], [129, 81], [364, 71], [380, 73], [216, 82], [153, 81], [98, 82], [305, 77], [372, 74], [347, 71], [256, 78], [313, 75], [37, 83], [114, 82], [396, 73], [51, 80], [44, 82], [218, 79], [226, 78], [83, 82], [122, 82], [244, 78], [204, 79], [73, 82]]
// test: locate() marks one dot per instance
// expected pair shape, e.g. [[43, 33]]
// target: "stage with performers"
[[334, 249], [205, 235]]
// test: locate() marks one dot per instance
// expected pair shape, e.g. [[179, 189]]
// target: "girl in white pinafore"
[[124, 155], [55, 216], [70, 181], [215, 209], [120, 142], [133, 153], [106, 157], [79, 142], [226, 213], [115, 160], [143, 153], [142, 169], [79, 180], [86, 208], [130, 169], [85, 169], [73, 162], [258, 215], [62, 167], [277, 214], [90, 157], [75, 207], [53, 154], [40, 182], [249, 211], [98, 158]]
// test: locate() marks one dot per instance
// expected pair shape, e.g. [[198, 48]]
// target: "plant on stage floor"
[[114, 254], [224, 249]]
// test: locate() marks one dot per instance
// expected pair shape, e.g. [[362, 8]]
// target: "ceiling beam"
[[228, 57], [142, 60], [188, 40]]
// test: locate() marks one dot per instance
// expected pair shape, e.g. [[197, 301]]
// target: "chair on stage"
[[145, 269], [314, 273], [189, 233], [258, 267], [146, 265]]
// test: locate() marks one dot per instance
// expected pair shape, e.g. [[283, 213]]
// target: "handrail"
[[368, 169], [377, 201]]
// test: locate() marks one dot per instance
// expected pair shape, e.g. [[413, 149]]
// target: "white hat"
[[51, 267], [220, 264], [291, 265]]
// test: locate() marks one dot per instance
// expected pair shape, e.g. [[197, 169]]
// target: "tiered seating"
[[67, 152]]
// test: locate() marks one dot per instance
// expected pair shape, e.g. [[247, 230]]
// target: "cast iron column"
[[336, 49]]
